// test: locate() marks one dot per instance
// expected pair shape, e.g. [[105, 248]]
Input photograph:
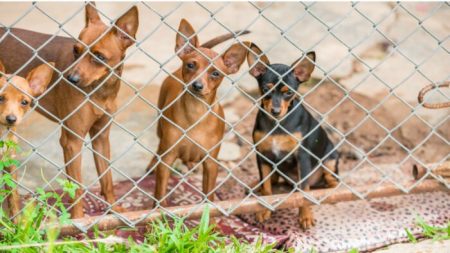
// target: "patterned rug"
[[365, 225]]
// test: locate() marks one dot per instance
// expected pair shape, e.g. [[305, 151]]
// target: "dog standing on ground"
[[282, 124], [92, 65], [190, 104], [16, 95]]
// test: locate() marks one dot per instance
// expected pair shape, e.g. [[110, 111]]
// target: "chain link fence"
[[372, 60]]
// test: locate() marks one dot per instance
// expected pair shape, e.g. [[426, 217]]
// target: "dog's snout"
[[276, 111], [74, 78], [11, 119], [197, 86]]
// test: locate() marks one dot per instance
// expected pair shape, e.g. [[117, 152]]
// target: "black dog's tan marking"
[[276, 145], [281, 126]]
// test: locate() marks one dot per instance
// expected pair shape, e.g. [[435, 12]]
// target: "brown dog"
[[16, 94], [94, 71], [190, 104]]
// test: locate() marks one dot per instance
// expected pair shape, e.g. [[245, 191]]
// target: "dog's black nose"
[[11, 119], [197, 86], [276, 111], [74, 78]]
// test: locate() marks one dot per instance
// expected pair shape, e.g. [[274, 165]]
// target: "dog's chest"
[[200, 140], [276, 146], [194, 147]]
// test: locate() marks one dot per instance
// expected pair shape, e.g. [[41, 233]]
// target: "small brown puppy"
[[16, 95], [190, 105], [91, 65]]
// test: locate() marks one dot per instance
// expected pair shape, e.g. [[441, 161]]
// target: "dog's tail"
[[217, 40]]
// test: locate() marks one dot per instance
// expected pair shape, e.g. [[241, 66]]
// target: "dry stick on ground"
[[251, 205]]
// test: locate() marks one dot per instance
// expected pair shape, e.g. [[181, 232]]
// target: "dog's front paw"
[[263, 216], [306, 219]]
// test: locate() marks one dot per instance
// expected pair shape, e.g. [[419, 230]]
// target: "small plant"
[[7, 148], [410, 236], [29, 230], [177, 237], [430, 232]]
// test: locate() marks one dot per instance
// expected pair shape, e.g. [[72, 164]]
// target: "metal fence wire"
[[372, 60]]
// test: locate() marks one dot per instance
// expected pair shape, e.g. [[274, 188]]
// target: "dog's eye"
[[265, 90], [289, 93], [215, 74], [100, 57], [2, 99], [76, 52], [190, 65], [24, 102]]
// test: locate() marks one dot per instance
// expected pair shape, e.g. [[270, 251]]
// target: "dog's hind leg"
[[152, 165], [330, 179]]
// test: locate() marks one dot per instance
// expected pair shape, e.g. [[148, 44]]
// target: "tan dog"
[[96, 71], [16, 95], [195, 109]]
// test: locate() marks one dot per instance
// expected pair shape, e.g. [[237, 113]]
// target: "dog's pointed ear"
[[2, 69], [186, 39], [128, 24], [257, 66], [91, 14], [235, 56], [39, 78], [304, 66]]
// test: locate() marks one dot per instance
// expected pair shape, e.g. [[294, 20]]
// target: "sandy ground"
[[426, 246]]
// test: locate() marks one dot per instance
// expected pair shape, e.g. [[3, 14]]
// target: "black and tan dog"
[[282, 124]]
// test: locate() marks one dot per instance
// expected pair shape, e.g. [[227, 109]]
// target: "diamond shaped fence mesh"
[[372, 59]]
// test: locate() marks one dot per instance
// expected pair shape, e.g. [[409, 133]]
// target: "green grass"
[[30, 235], [430, 232]]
